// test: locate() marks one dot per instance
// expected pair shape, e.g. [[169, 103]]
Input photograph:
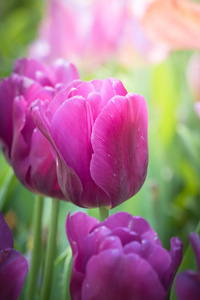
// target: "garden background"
[[170, 197]]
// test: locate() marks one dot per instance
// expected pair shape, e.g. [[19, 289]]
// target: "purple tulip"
[[99, 134], [13, 266], [187, 283], [25, 148], [119, 258]]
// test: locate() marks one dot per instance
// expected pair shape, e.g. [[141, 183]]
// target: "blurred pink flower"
[[174, 24], [193, 76], [95, 32], [84, 33]]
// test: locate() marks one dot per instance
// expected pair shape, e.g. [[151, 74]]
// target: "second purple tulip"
[[99, 134]]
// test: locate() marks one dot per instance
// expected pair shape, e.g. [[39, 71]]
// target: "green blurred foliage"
[[19, 20]]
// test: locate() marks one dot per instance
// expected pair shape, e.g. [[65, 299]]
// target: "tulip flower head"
[[13, 266], [25, 148], [187, 283], [119, 258], [99, 135]]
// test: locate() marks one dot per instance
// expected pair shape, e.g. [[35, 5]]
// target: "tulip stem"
[[103, 213], [51, 249], [66, 275], [35, 258]]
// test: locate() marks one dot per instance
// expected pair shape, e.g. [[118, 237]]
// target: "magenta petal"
[[68, 180], [187, 286], [92, 243], [6, 239], [109, 88], [130, 277], [13, 270], [6, 131], [42, 170], [160, 261], [119, 141], [64, 72], [78, 226], [33, 69], [20, 149], [111, 242], [122, 219], [75, 119], [61, 97], [195, 243]]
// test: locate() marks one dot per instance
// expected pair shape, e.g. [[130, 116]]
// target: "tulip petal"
[[64, 72], [125, 220], [114, 276], [92, 243], [109, 88], [75, 116], [176, 249], [33, 69], [195, 242], [19, 154], [13, 270], [119, 141], [78, 226], [42, 169], [6, 124], [6, 239], [68, 180], [187, 286]]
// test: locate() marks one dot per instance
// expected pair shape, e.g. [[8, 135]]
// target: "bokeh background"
[[170, 196]]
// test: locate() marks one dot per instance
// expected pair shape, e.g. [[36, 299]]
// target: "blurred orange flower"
[[173, 23]]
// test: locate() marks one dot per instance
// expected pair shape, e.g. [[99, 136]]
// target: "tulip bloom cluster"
[[25, 148], [119, 258], [187, 283], [99, 134], [13, 266]]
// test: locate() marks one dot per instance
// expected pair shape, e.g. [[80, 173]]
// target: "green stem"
[[5, 188], [51, 247], [66, 276], [103, 213], [35, 261]]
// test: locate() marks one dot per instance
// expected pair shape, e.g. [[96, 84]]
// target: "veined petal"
[[187, 285], [131, 276], [13, 270], [68, 180], [78, 226], [74, 144], [109, 88], [64, 72], [33, 69], [42, 167], [19, 154], [119, 141]]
